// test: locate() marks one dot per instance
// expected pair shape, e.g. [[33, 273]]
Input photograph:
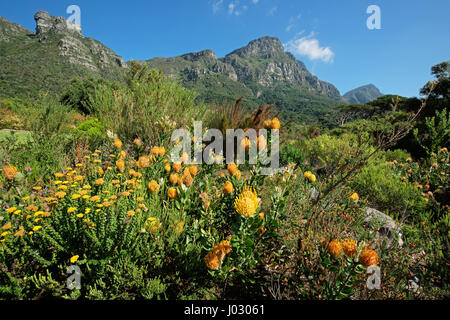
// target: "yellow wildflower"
[[247, 202]]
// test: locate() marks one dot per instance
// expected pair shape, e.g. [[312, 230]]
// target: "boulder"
[[384, 225]]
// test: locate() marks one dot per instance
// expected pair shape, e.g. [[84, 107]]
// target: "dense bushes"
[[385, 190]]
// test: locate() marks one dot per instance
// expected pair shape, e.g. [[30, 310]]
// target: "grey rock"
[[313, 194], [413, 285], [386, 227], [47, 24]]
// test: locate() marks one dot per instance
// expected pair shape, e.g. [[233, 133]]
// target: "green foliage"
[[437, 132], [76, 94], [326, 151], [385, 189], [93, 129], [396, 154], [291, 154], [148, 108]]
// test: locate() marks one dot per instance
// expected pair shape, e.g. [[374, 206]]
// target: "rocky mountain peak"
[[265, 45], [194, 56], [46, 24]]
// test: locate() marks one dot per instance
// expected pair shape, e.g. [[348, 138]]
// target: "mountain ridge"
[[47, 59], [362, 94], [261, 72]]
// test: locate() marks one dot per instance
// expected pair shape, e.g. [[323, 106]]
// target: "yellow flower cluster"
[[310, 176], [247, 202]]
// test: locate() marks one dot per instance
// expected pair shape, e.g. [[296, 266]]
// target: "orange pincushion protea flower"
[[212, 261], [143, 162], [172, 193], [228, 188], [187, 179], [349, 247], [237, 174], [137, 142], [174, 178], [261, 142], [368, 258], [245, 143], [120, 164], [354, 197], [153, 186], [9, 172], [224, 246], [232, 168], [118, 143], [176, 166], [275, 124], [215, 257], [193, 170], [335, 248]]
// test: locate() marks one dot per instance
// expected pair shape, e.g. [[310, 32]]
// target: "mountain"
[[48, 58], [362, 94], [261, 72]]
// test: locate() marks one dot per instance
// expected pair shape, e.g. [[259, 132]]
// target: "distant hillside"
[[261, 72], [362, 94], [48, 58]]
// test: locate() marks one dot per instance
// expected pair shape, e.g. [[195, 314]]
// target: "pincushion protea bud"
[[9, 172], [368, 258], [335, 248], [349, 247]]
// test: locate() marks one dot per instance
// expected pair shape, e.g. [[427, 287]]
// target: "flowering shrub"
[[121, 217]]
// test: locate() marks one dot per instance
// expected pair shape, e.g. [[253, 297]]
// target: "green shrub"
[[385, 189], [291, 154], [326, 152], [397, 154], [93, 129], [149, 109], [76, 94]]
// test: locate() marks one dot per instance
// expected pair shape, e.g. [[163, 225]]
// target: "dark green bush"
[[93, 129]]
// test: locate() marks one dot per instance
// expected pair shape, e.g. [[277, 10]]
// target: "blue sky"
[[330, 37]]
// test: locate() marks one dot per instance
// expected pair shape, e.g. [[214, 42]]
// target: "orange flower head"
[[9, 172], [187, 179], [261, 142], [368, 258], [275, 124], [354, 196], [335, 248], [120, 164], [172, 193], [193, 170], [176, 166], [174, 178], [232, 168], [137, 142], [349, 247], [153, 186], [228, 188], [118, 143], [245, 143]]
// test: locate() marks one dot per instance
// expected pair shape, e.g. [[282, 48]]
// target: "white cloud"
[[272, 11], [231, 7], [217, 5], [289, 27], [255, 1], [310, 48]]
